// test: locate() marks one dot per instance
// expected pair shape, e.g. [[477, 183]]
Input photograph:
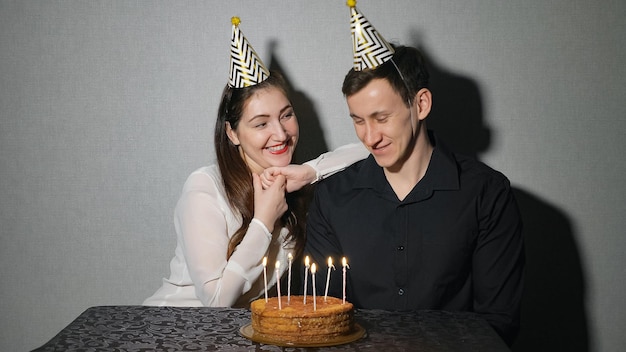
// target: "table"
[[143, 328]]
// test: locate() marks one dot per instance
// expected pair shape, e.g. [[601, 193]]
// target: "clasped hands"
[[270, 187], [295, 176]]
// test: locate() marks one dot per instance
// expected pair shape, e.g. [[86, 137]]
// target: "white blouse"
[[200, 273]]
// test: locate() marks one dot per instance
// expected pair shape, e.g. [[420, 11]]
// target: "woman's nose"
[[279, 131]]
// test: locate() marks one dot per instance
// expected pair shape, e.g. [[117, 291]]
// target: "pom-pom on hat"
[[370, 48], [246, 68]]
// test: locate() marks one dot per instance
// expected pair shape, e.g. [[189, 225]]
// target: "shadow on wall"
[[553, 310], [311, 141], [457, 112]]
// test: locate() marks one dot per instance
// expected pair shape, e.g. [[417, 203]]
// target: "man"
[[421, 227]]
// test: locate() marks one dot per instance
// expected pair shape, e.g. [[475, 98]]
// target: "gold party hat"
[[246, 68], [370, 48]]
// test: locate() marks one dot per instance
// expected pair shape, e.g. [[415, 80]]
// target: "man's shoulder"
[[345, 178], [471, 168]]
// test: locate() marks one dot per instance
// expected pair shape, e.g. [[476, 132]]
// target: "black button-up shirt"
[[454, 243]]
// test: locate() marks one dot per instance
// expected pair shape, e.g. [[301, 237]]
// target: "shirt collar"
[[442, 174]]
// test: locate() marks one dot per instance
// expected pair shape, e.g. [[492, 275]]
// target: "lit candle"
[[345, 265], [290, 257], [313, 269], [306, 274], [330, 266], [265, 275], [278, 284]]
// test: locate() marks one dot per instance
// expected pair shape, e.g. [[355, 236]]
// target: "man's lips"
[[378, 148]]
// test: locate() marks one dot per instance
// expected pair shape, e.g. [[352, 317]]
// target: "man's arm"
[[498, 261]]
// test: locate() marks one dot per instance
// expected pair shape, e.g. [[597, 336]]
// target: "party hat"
[[370, 48], [246, 68]]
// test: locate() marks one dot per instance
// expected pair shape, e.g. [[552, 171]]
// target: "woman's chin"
[[280, 163], [280, 159]]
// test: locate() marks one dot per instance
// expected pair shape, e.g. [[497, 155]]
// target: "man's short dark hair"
[[409, 61]]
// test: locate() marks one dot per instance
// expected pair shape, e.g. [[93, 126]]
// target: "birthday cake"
[[296, 322]]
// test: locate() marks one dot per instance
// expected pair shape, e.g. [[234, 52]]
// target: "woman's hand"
[[269, 203], [297, 176]]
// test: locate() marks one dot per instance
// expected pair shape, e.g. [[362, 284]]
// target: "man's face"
[[382, 122]]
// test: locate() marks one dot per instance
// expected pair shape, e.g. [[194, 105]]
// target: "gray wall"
[[107, 106]]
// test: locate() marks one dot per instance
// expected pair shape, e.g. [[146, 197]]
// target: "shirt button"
[[400, 248], [400, 292]]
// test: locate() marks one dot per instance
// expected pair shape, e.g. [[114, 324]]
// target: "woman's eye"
[[288, 115], [261, 125]]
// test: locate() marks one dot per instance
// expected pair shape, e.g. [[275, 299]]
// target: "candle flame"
[[330, 261], [277, 264], [344, 262], [313, 268], [264, 261], [289, 256], [306, 261]]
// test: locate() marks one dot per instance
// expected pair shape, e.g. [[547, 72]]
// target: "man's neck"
[[413, 169]]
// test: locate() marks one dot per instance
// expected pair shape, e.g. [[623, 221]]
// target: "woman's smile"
[[278, 149]]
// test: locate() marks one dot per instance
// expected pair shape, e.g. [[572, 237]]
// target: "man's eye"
[[382, 119], [357, 121]]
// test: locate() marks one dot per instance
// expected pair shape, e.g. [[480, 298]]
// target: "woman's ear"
[[232, 134], [423, 101]]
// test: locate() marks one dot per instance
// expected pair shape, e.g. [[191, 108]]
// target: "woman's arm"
[[317, 169], [203, 221], [337, 160]]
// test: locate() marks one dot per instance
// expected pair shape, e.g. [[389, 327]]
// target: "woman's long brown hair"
[[236, 175]]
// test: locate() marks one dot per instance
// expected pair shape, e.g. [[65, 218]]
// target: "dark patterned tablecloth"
[[141, 328]]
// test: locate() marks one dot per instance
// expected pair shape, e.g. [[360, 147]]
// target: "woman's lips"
[[278, 149]]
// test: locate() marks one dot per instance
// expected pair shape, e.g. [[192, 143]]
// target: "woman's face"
[[267, 132]]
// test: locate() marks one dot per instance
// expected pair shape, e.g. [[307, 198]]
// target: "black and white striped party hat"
[[370, 48], [246, 68]]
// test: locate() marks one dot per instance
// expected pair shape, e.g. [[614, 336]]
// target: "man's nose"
[[372, 135]]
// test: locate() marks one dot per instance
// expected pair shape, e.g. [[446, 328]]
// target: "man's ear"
[[423, 101], [232, 135]]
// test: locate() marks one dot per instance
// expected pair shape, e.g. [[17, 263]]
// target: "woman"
[[225, 223], [226, 220]]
